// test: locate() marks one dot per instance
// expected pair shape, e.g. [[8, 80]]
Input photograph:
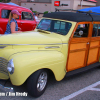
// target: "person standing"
[[36, 17], [12, 26]]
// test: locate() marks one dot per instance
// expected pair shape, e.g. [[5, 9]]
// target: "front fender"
[[27, 63]]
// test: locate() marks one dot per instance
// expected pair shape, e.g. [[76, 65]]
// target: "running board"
[[83, 69]]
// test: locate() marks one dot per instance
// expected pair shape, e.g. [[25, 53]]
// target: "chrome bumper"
[[6, 89]]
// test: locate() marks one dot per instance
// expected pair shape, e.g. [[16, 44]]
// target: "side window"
[[96, 30], [61, 27], [81, 31], [27, 16], [5, 13]]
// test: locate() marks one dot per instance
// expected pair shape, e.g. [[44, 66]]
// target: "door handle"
[[22, 22], [88, 43]]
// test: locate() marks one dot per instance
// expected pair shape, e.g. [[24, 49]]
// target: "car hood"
[[29, 38]]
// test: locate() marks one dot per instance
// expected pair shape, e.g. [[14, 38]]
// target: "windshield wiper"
[[43, 31], [59, 33]]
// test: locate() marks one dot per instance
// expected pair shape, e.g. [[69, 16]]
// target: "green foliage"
[[34, 11], [45, 12], [8, 0], [5, 1]]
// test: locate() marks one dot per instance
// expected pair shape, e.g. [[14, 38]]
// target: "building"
[[50, 5], [18, 2], [98, 3]]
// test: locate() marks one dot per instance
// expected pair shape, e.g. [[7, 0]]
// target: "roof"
[[12, 5], [72, 16]]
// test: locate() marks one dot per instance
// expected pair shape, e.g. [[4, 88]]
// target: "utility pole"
[[81, 3], [98, 3]]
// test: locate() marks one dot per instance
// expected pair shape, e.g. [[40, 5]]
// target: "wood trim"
[[86, 54], [98, 51], [69, 46], [96, 22], [95, 47], [77, 50], [77, 40], [97, 55], [92, 62], [84, 40], [84, 23], [83, 69], [95, 38], [90, 29]]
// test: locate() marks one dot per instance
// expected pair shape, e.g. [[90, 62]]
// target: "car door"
[[79, 46], [94, 50], [27, 23]]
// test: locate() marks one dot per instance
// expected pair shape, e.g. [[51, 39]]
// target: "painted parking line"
[[90, 87]]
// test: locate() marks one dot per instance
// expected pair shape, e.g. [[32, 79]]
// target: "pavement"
[[83, 86]]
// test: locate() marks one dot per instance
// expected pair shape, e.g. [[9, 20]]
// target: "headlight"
[[10, 66]]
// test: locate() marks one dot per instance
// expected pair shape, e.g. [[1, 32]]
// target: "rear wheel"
[[37, 82]]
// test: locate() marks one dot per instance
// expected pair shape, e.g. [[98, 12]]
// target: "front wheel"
[[37, 82]]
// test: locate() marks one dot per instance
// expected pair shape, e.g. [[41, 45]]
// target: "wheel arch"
[[53, 61], [50, 73]]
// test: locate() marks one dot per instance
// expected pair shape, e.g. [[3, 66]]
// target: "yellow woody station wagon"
[[63, 43]]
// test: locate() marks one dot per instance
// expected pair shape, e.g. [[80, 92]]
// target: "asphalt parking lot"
[[85, 93], [83, 86]]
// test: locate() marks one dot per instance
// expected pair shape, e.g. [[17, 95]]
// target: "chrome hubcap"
[[42, 81]]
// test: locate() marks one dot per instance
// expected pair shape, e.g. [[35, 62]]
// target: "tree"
[[5, 1]]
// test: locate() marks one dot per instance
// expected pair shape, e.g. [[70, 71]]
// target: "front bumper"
[[6, 89]]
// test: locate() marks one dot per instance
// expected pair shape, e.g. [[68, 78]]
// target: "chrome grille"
[[3, 65]]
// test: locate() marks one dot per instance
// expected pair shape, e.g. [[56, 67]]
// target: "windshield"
[[59, 27]]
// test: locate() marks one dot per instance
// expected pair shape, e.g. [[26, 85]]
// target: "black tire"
[[33, 85]]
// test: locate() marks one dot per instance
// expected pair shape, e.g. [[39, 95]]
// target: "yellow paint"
[[30, 52], [3, 76]]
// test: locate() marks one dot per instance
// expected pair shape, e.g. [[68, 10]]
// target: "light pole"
[[19, 2], [81, 3], [98, 3]]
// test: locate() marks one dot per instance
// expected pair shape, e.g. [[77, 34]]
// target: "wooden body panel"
[[75, 61], [93, 56], [83, 51]]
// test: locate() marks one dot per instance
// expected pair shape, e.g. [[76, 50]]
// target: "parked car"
[[26, 21], [63, 43]]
